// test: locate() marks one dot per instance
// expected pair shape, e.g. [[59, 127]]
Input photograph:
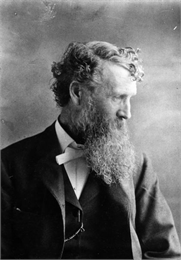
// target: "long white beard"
[[109, 152]]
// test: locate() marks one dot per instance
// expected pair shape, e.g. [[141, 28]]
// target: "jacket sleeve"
[[154, 222]]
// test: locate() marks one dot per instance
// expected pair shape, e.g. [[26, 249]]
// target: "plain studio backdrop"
[[36, 33]]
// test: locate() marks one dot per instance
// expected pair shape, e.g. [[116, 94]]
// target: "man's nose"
[[125, 111]]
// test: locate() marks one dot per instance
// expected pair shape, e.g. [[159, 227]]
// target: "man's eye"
[[116, 98]]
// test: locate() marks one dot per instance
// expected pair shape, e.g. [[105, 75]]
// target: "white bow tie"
[[69, 155]]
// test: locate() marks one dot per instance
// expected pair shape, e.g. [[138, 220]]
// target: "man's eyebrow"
[[131, 93]]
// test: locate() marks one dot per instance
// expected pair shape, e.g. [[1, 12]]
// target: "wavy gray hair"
[[83, 62]]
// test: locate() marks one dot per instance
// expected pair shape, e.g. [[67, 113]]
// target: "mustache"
[[119, 123], [102, 126]]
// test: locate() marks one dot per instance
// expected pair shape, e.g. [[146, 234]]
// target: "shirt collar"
[[64, 139]]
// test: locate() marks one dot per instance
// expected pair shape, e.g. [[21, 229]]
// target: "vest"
[[105, 233]]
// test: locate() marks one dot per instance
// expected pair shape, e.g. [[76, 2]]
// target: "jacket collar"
[[48, 144]]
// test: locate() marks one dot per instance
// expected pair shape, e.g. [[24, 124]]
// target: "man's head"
[[94, 83], [84, 63]]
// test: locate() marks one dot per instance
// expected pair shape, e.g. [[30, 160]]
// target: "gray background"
[[35, 33]]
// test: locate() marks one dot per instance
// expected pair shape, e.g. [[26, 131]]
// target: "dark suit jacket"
[[33, 204]]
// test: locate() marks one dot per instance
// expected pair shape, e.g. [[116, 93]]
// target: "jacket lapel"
[[50, 172], [125, 194]]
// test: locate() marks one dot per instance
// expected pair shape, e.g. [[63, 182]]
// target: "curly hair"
[[82, 62]]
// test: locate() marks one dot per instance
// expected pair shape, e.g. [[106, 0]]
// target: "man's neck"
[[66, 124]]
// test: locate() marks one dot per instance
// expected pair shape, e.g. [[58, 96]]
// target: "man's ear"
[[75, 92]]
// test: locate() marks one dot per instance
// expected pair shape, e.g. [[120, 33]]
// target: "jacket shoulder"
[[30, 148], [21, 146]]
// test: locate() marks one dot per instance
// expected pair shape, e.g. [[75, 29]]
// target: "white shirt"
[[76, 169]]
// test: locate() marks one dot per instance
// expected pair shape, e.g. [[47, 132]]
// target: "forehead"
[[118, 79]]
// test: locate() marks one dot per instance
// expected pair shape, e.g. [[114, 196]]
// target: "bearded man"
[[79, 190]]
